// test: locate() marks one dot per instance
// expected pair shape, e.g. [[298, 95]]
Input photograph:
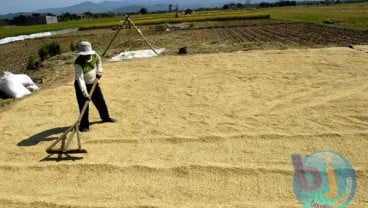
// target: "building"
[[35, 19], [51, 19]]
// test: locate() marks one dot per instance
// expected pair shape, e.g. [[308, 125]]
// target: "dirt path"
[[210, 130]]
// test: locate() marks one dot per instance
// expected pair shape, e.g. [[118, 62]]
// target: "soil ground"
[[199, 38]]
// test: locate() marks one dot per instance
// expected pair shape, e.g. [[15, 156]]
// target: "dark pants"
[[97, 99]]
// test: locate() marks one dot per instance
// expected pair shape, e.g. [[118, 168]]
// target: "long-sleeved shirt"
[[85, 71]]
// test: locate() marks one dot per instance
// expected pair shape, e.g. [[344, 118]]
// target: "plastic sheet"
[[127, 55], [36, 35]]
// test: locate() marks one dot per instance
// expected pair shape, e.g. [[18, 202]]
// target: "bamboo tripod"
[[128, 22], [66, 138]]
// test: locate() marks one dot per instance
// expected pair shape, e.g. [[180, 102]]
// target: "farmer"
[[88, 68]]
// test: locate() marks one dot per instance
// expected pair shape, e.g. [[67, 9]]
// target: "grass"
[[353, 16]]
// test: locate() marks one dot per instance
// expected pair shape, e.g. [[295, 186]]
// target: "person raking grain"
[[88, 68]]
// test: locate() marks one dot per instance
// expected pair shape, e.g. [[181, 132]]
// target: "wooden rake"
[[66, 138]]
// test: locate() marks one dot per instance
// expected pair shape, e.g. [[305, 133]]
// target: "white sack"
[[16, 85]]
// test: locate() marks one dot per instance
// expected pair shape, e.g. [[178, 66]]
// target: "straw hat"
[[85, 48]]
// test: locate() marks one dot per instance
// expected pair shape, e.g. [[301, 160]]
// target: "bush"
[[53, 49], [31, 62], [49, 50], [43, 53]]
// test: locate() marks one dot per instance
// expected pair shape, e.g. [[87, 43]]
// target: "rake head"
[[68, 151]]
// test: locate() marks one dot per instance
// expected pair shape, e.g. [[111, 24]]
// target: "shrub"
[[31, 62], [51, 49], [43, 53]]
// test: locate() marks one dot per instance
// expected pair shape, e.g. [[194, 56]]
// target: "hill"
[[134, 6], [125, 6]]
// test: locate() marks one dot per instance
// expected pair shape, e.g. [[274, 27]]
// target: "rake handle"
[[87, 102], [76, 124]]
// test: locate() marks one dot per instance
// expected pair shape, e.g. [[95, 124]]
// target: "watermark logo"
[[323, 180]]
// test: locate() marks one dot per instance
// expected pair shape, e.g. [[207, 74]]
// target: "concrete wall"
[[51, 19]]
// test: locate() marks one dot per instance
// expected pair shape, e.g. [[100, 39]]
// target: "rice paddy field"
[[352, 16]]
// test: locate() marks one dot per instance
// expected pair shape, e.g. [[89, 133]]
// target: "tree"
[[170, 7], [188, 11], [177, 10], [4, 22], [143, 11], [239, 5]]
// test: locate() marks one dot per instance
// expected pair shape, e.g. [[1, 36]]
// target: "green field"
[[352, 16], [138, 20]]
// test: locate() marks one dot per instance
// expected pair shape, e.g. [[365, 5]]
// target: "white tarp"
[[127, 55], [16, 85], [360, 47], [36, 35]]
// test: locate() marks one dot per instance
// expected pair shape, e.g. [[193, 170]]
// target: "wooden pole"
[[141, 34], [116, 34]]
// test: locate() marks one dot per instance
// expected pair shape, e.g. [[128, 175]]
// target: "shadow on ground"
[[47, 135]]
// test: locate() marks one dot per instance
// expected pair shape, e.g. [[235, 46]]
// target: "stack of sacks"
[[16, 85]]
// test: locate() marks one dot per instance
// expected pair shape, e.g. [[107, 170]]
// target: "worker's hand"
[[98, 76]]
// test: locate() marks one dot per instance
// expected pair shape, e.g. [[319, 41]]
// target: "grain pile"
[[207, 130]]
